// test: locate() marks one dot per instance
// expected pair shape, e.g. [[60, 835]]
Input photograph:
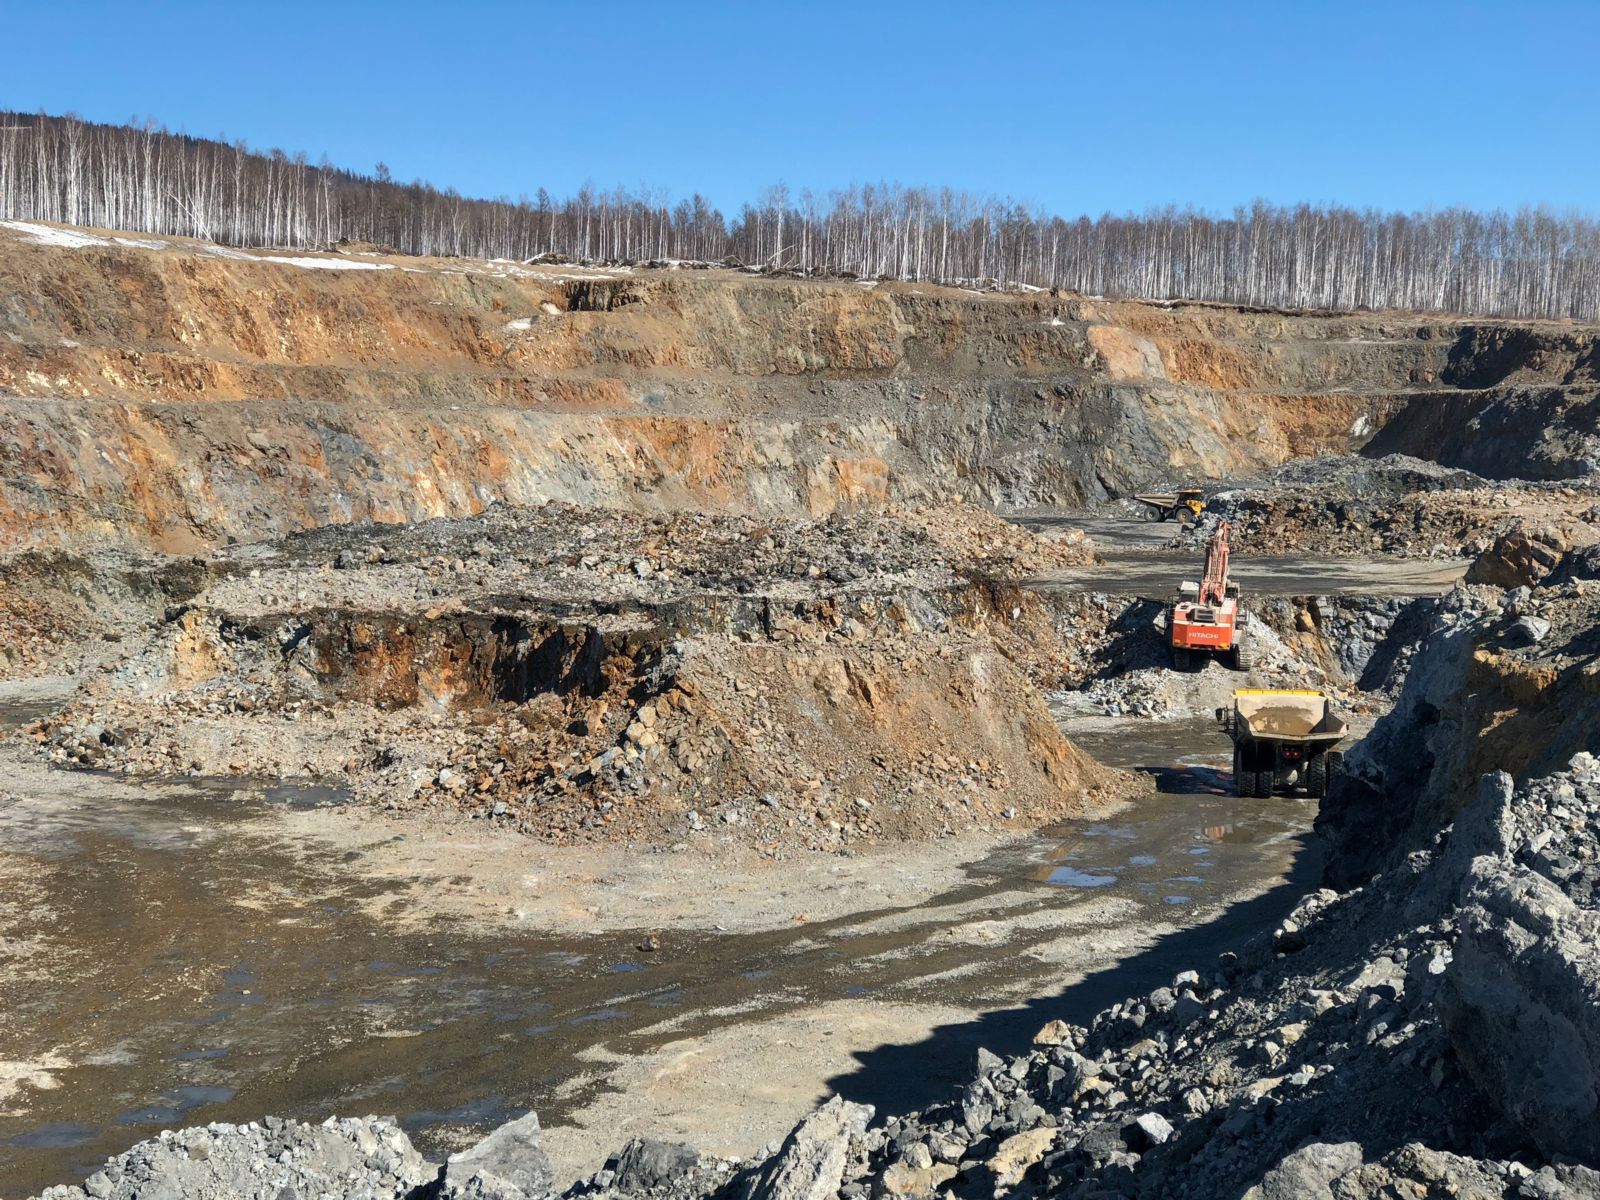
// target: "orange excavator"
[[1205, 618]]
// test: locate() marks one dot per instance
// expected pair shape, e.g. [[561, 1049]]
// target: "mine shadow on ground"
[[902, 1078]]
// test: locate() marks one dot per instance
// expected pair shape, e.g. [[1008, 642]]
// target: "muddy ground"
[[289, 955]]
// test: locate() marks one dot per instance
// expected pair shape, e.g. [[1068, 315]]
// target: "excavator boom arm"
[[1215, 584]]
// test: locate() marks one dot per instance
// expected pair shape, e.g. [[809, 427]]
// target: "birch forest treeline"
[[1531, 263]]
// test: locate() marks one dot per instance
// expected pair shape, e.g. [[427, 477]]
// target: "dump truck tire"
[[1317, 776], [1263, 783], [1241, 785]]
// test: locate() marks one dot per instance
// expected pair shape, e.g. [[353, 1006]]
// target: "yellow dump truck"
[[1186, 504], [1283, 739]]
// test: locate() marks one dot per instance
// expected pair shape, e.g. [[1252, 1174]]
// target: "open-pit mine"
[[732, 716]]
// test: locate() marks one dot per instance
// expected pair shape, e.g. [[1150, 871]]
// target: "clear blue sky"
[[1078, 107]]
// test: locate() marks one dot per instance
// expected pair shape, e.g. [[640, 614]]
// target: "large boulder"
[[1519, 558], [646, 1165], [509, 1164], [810, 1165], [1307, 1173]]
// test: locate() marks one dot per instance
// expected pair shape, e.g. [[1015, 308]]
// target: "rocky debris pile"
[[1392, 477], [1521, 557], [1505, 679], [822, 743], [981, 543], [1119, 662], [62, 613], [1347, 504], [582, 554], [647, 1167], [348, 1158], [633, 696]]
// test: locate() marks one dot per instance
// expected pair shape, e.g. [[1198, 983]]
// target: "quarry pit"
[[664, 699]]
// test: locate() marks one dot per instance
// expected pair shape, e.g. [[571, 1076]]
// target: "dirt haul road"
[[1136, 564]]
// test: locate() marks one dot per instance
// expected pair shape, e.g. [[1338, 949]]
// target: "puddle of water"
[[1072, 877], [210, 1055], [605, 1014], [61, 1135], [484, 1110], [175, 1105], [1191, 831], [307, 795]]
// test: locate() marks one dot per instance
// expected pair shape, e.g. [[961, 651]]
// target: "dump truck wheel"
[[1242, 785], [1152, 513], [1317, 776], [1263, 783]]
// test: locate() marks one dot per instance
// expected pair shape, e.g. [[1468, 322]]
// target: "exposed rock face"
[[1523, 998], [1505, 680], [1515, 432], [175, 398]]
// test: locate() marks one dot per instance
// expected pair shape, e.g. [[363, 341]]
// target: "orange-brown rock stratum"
[[177, 395]]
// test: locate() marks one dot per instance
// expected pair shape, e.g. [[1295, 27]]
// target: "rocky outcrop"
[[1519, 432], [1520, 558], [1522, 1001], [1505, 680]]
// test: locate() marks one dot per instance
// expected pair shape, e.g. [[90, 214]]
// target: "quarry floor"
[[195, 950], [191, 950]]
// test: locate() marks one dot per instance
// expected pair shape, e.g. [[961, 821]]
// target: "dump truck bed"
[[1286, 716]]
